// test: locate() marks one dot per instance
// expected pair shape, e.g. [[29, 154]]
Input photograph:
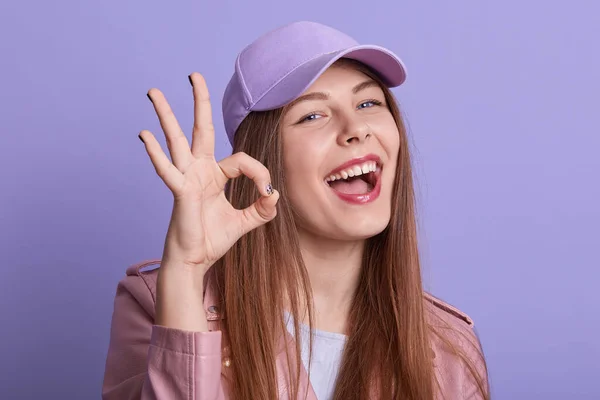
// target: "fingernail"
[[190, 78], [269, 189], [140, 136], [148, 94]]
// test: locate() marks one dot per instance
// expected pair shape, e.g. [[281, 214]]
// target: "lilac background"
[[500, 99]]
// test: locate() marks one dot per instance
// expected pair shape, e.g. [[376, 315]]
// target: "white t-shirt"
[[326, 357]]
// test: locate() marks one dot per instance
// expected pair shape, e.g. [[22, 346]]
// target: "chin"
[[362, 228]]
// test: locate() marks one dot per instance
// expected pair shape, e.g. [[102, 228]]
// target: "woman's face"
[[340, 148]]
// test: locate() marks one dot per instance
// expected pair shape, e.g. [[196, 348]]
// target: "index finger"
[[203, 134]]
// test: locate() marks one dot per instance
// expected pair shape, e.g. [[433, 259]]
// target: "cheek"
[[299, 166], [303, 154], [389, 140], [299, 187], [389, 137], [393, 148], [303, 161]]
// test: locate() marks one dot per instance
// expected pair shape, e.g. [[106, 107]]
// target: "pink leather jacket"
[[147, 361]]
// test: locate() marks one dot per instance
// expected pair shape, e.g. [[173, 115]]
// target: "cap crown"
[[267, 60]]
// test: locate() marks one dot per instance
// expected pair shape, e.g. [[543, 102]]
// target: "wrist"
[[180, 298]]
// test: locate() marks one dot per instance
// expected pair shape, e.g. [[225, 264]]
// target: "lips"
[[357, 181]]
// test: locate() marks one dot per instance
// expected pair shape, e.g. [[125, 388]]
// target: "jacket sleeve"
[[146, 361]]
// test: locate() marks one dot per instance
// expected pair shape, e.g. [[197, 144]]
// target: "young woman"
[[303, 281]]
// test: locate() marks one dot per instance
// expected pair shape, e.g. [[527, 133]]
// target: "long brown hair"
[[388, 349]]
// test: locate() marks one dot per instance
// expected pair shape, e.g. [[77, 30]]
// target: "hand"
[[204, 225]]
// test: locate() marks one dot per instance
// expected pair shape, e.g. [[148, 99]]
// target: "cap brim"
[[385, 63]]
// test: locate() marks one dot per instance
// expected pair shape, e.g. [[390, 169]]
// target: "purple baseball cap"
[[280, 65]]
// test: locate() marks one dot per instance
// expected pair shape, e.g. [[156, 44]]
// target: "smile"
[[357, 181]]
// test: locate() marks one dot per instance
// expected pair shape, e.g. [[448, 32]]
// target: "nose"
[[355, 131]]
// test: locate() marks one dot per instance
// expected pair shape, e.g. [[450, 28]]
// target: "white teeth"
[[356, 170]]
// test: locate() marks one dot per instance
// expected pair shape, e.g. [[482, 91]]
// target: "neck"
[[333, 268]]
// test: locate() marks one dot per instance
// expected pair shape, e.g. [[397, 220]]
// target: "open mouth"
[[359, 179]]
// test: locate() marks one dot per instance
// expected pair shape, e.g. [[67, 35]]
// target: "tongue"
[[350, 186]]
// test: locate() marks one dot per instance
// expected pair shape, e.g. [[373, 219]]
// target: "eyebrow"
[[364, 85], [324, 96]]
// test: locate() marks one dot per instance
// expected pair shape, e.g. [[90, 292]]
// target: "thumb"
[[262, 211]]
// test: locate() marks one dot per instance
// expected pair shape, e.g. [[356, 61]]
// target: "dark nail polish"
[[269, 189], [140, 136], [148, 94], [190, 78]]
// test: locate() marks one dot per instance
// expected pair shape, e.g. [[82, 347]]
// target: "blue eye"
[[309, 117], [314, 116], [370, 103]]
